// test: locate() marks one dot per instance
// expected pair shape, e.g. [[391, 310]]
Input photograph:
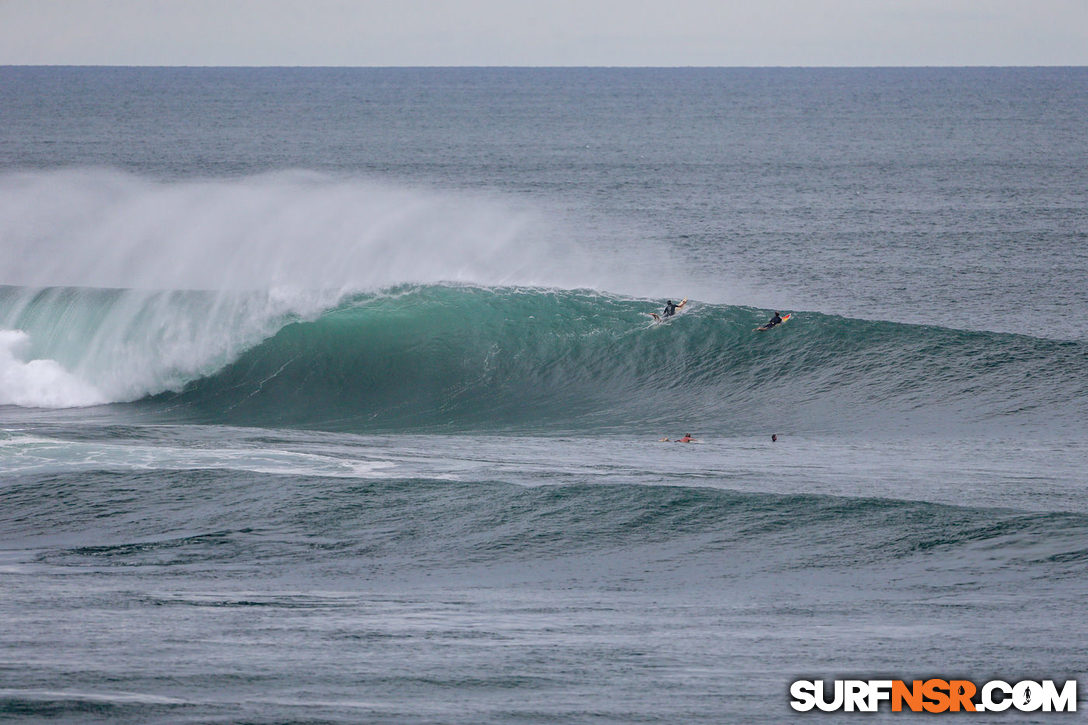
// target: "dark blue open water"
[[329, 395]]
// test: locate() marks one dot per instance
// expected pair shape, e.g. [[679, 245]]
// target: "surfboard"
[[764, 328]]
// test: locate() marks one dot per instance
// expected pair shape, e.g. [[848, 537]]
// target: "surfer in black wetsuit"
[[776, 320], [670, 309]]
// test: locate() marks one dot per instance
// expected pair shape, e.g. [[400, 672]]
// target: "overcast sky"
[[544, 32]]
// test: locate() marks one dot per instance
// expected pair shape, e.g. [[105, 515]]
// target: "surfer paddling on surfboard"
[[669, 311], [778, 319]]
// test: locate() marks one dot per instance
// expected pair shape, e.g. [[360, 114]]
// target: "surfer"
[[686, 439], [776, 320], [670, 309]]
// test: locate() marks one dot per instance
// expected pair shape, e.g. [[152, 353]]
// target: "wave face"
[[472, 357], [457, 357]]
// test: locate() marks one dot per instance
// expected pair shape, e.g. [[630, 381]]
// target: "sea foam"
[[38, 383]]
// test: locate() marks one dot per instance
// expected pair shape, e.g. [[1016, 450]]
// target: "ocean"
[[331, 395]]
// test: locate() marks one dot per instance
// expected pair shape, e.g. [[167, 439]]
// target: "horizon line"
[[540, 67]]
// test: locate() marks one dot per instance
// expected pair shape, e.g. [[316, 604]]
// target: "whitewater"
[[332, 395]]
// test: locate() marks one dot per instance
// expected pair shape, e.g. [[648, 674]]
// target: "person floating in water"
[[686, 439], [670, 310], [776, 320]]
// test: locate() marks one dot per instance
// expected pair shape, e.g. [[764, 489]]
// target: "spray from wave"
[[292, 230], [118, 286]]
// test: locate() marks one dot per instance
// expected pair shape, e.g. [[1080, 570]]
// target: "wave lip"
[[75, 346]]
